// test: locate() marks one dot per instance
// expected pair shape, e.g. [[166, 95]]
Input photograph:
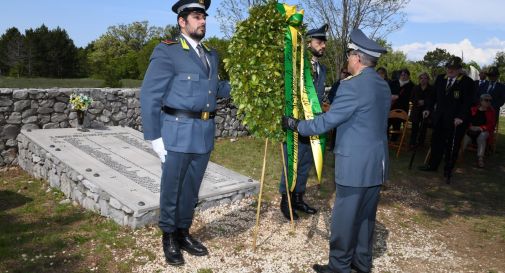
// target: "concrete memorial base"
[[114, 172]]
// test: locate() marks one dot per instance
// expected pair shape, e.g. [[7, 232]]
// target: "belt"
[[188, 114]]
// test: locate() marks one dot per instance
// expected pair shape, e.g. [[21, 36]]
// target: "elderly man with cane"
[[453, 98]]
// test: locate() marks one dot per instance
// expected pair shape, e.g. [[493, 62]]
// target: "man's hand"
[[289, 123], [420, 102], [326, 107], [426, 113], [159, 148], [457, 122]]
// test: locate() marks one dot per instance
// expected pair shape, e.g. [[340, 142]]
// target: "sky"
[[474, 29]]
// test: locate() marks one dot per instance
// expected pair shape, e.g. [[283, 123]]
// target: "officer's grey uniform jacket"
[[177, 78], [360, 111]]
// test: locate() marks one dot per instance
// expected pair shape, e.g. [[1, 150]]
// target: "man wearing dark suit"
[[494, 88], [178, 102], [449, 109], [359, 112], [316, 45], [480, 86]]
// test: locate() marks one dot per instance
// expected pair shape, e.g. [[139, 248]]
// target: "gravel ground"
[[227, 232]]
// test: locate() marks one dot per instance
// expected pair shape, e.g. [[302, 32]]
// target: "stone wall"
[[49, 108]]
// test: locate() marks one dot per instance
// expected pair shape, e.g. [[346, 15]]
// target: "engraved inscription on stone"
[[121, 163]]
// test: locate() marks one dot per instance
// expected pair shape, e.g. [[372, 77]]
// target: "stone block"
[[59, 107], [46, 103], [20, 94], [77, 196], [31, 119], [45, 110], [113, 202], [66, 185], [5, 101], [50, 125], [88, 204], [92, 187], [58, 117], [127, 209], [54, 180], [14, 118], [104, 207], [22, 105]]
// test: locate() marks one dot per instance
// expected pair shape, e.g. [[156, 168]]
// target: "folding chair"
[[404, 120]]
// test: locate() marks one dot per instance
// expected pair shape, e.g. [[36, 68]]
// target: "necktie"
[[201, 54], [491, 86], [449, 83]]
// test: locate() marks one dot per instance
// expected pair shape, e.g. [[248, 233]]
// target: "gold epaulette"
[[170, 42], [352, 76], [205, 46]]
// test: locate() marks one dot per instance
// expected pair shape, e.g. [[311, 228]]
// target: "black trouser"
[[417, 135], [446, 142]]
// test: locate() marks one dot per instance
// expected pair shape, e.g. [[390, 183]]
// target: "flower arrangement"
[[80, 102]]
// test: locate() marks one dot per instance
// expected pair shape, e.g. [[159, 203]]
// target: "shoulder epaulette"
[[352, 76], [205, 46], [170, 42]]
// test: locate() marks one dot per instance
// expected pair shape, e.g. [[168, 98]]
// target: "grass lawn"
[[40, 234], [11, 82]]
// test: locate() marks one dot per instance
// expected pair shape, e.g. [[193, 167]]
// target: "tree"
[[14, 56], [230, 12], [499, 61], [436, 59], [119, 54], [376, 17]]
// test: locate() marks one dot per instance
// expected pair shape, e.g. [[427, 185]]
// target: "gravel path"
[[227, 231]]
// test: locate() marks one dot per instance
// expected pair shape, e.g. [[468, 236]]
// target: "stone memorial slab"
[[115, 172]]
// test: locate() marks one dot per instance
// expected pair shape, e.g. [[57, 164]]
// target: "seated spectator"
[[482, 122], [420, 93], [401, 91]]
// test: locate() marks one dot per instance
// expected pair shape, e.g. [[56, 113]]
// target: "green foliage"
[[124, 51], [221, 46], [499, 61], [435, 60], [255, 66], [397, 60]]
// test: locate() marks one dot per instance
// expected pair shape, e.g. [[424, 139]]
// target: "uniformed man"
[[359, 112], [316, 45], [449, 109], [178, 102]]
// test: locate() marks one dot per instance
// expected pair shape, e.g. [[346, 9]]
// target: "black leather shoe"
[[323, 269], [427, 168], [173, 254], [285, 207], [355, 268], [300, 205], [189, 244]]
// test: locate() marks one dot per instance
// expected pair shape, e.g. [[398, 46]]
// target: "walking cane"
[[451, 157], [421, 125]]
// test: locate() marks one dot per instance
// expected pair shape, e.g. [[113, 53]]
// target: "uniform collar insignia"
[[184, 44]]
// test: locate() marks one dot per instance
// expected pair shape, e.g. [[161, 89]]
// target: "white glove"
[[159, 148]]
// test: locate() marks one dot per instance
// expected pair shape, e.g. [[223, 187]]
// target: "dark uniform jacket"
[[453, 102]]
